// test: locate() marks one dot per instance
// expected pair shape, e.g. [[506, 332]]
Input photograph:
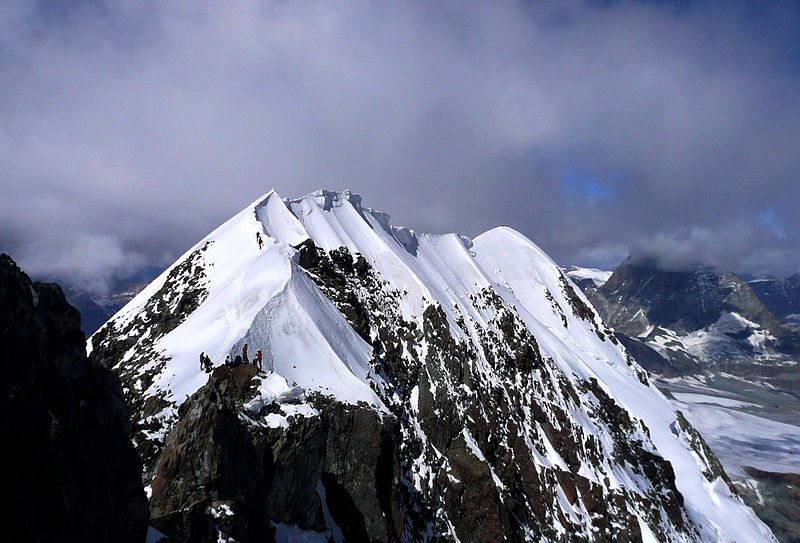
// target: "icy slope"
[[484, 349]]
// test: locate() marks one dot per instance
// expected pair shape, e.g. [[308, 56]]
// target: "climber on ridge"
[[259, 240], [244, 354], [205, 363], [257, 359]]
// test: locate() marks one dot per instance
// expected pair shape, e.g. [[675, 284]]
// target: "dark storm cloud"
[[128, 130]]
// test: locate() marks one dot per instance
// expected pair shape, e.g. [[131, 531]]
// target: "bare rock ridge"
[[222, 473], [71, 469]]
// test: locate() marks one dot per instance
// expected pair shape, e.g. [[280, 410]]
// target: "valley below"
[[753, 429]]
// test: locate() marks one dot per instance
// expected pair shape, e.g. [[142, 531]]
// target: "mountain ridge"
[[693, 318], [479, 347]]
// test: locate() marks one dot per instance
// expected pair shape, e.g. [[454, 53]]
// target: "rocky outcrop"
[[71, 471], [226, 473]]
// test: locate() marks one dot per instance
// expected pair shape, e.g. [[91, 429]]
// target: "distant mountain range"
[[679, 322], [782, 297], [96, 309]]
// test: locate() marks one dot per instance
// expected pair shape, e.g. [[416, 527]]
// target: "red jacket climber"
[[244, 353], [259, 357]]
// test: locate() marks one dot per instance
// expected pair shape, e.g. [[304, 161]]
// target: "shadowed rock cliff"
[[70, 466]]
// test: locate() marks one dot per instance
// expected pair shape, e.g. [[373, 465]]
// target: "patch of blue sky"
[[578, 182], [771, 220]]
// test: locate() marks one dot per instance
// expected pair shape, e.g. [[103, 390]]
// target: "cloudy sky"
[[129, 129]]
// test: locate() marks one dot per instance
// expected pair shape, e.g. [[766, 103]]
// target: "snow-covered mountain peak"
[[494, 365]]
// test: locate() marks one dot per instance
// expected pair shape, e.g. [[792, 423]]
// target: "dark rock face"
[[780, 297], [71, 468], [210, 458], [777, 501], [222, 474], [639, 293]]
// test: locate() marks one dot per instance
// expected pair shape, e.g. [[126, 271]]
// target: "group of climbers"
[[206, 365], [205, 361]]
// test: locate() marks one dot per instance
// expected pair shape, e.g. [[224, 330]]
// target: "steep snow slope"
[[481, 348], [522, 268]]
